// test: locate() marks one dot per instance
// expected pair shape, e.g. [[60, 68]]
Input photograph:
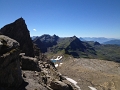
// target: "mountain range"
[[113, 42], [73, 46], [68, 45], [98, 39]]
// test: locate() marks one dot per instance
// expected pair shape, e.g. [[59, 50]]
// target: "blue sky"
[[65, 18]]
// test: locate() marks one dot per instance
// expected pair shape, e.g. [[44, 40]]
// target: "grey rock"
[[58, 85], [29, 63], [10, 72]]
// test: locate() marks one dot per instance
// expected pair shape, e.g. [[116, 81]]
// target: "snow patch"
[[57, 61], [92, 88], [56, 65], [71, 80], [74, 82], [58, 58]]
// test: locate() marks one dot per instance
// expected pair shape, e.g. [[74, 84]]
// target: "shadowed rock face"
[[10, 72], [45, 41], [29, 63], [18, 31]]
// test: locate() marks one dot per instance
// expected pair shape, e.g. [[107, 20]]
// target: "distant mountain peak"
[[68, 45]]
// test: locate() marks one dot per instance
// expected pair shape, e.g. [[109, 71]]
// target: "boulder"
[[58, 85], [10, 71], [29, 63]]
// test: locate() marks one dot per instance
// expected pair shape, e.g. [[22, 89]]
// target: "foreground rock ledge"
[[10, 72]]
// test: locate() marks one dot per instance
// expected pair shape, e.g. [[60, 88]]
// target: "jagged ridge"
[[18, 30], [69, 45]]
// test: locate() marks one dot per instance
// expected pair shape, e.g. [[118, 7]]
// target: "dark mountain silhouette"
[[45, 41], [18, 30]]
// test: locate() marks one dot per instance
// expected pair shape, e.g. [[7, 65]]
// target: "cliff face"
[[10, 72], [18, 31]]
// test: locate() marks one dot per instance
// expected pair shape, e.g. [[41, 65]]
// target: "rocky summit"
[[19, 70], [18, 30]]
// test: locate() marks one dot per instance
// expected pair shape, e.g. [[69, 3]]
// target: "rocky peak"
[[20, 20], [47, 37], [46, 41], [18, 30]]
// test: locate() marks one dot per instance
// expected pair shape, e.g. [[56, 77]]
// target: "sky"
[[65, 18]]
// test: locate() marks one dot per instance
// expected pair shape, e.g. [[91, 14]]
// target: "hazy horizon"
[[76, 36]]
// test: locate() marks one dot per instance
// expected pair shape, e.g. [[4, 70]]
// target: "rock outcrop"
[[58, 85], [19, 32], [38, 73], [10, 71], [29, 63]]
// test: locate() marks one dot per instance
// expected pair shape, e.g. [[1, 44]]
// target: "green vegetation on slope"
[[72, 46], [108, 52]]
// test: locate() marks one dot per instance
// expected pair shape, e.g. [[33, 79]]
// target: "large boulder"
[[10, 72], [58, 85], [18, 31], [29, 63]]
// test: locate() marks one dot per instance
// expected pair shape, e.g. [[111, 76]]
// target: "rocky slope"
[[100, 74], [35, 75], [18, 31]]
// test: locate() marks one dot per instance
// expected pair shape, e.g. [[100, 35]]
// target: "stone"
[[10, 72], [58, 85], [29, 63]]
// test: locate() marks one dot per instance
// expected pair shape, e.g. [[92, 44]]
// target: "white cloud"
[[34, 29]]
